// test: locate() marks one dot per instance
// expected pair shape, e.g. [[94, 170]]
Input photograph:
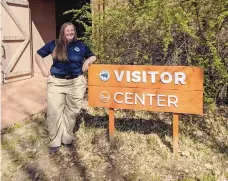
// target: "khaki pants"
[[64, 99]]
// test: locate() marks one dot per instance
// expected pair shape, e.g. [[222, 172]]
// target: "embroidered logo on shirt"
[[77, 49]]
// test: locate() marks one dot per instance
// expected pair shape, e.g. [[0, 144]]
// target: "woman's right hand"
[[41, 65], [46, 74]]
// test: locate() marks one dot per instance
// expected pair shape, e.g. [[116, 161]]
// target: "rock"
[[193, 175], [71, 164], [208, 166], [198, 133], [217, 172], [36, 175], [109, 165], [92, 174], [64, 166], [66, 159], [208, 121], [226, 170], [19, 167], [222, 178], [186, 170], [28, 150], [168, 178], [185, 153], [113, 157]]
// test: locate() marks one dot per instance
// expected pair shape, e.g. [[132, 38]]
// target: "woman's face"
[[69, 33]]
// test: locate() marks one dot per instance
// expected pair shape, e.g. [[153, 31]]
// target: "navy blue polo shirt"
[[77, 52]]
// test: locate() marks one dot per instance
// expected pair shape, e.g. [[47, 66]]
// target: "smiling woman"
[[69, 32], [66, 84], [67, 35]]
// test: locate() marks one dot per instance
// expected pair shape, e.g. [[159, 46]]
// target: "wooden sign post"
[[111, 124], [175, 133], [176, 89]]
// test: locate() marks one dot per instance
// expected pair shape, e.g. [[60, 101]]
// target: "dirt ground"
[[141, 151]]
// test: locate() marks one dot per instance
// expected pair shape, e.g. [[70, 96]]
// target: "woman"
[[66, 84]]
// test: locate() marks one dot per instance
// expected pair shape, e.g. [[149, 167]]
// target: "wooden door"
[[16, 57]]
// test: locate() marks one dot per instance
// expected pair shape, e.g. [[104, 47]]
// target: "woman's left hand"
[[88, 62]]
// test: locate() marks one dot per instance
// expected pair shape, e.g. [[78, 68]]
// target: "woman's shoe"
[[53, 150], [68, 146]]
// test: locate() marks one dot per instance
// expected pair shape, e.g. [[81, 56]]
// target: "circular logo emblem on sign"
[[104, 75], [104, 96], [77, 49]]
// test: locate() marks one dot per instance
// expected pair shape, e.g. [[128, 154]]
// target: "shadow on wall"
[[43, 19]]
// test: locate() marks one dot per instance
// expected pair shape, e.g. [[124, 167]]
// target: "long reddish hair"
[[60, 51]]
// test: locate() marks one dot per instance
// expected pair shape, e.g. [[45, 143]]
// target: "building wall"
[[43, 26]]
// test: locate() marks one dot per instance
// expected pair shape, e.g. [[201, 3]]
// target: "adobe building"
[[25, 27]]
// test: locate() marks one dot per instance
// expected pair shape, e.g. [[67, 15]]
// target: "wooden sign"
[[156, 88], [156, 77], [158, 100], [176, 89]]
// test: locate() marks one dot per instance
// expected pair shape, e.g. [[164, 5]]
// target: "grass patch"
[[9, 144], [138, 176], [207, 177], [141, 151], [188, 179], [33, 138], [226, 175]]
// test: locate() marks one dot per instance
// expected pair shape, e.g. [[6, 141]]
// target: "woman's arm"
[[41, 65], [88, 62]]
